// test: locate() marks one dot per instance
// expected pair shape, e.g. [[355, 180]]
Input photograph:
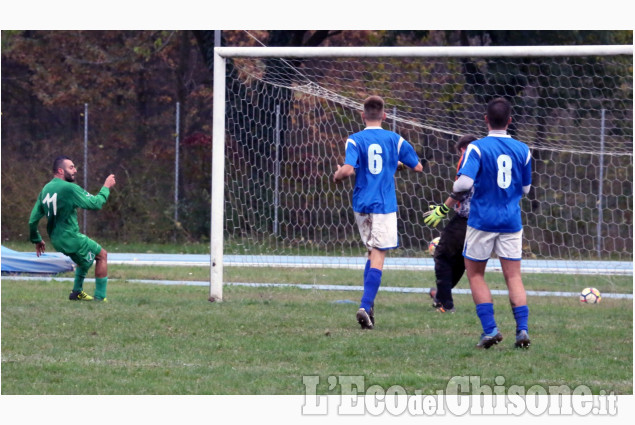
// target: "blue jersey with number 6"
[[500, 167], [374, 153]]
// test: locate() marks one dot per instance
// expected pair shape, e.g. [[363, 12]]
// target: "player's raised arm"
[[85, 200], [110, 181]]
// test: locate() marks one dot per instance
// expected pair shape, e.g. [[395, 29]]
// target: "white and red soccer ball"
[[590, 296]]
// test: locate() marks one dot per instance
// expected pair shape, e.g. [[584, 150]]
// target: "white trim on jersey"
[[401, 140], [350, 141], [470, 148], [528, 157]]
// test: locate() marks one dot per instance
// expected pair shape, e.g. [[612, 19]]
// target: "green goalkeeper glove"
[[436, 214]]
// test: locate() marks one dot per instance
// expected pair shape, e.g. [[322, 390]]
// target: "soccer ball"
[[590, 296], [433, 245]]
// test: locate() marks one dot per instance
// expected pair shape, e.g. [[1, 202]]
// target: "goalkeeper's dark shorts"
[[452, 239], [449, 264]]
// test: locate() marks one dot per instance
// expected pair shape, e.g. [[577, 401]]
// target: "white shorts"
[[479, 245], [378, 230]]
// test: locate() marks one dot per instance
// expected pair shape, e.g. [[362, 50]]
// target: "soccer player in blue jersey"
[[498, 168], [373, 155]]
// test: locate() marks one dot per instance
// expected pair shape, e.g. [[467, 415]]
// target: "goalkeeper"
[[58, 201], [449, 264]]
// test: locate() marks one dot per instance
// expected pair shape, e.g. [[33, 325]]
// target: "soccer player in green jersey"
[[58, 201]]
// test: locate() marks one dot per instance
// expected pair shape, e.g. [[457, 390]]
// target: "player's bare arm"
[[417, 168], [342, 172]]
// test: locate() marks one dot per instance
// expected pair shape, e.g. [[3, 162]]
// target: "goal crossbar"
[[424, 51]]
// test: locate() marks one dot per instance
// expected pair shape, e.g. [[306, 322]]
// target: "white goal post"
[[223, 54]]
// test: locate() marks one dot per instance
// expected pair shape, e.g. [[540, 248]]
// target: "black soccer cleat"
[[522, 340], [433, 295], [363, 318], [487, 341], [442, 309]]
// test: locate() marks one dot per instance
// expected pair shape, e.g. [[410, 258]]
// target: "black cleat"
[[442, 309], [487, 341], [364, 319], [522, 340], [433, 295]]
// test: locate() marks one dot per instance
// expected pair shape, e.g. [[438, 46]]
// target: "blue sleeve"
[[471, 162], [352, 153], [407, 155], [527, 170]]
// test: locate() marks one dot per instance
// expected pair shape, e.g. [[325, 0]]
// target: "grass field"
[[158, 339]]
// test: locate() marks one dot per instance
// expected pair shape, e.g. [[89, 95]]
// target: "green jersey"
[[59, 201]]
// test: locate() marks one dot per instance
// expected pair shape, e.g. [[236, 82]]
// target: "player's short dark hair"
[[498, 112], [464, 141], [57, 163], [374, 108]]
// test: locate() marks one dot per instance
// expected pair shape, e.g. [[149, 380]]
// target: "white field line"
[[318, 287], [358, 263]]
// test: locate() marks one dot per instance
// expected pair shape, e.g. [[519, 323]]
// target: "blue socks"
[[521, 314], [485, 312], [372, 280], [366, 269]]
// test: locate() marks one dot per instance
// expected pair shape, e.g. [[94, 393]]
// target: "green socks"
[[78, 284], [100, 283], [100, 287]]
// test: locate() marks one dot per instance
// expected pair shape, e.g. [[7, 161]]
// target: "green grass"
[[346, 277], [156, 339]]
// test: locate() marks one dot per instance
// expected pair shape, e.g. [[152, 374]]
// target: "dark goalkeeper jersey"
[[59, 201]]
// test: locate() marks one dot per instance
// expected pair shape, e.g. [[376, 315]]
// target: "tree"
[[130, 80]]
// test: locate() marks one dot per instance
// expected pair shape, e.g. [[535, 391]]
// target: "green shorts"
[[85, 255]]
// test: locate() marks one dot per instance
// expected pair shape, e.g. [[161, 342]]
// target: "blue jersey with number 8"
[[500, 167], [374, 153]]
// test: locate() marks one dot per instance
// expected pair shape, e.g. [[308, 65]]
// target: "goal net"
[[283, 116]]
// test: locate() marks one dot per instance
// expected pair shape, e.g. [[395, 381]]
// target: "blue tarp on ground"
[[29, 262]]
